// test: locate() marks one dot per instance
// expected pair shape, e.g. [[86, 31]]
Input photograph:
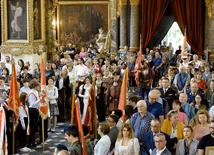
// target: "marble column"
[[134, 25], [113, 26], [123, 24]]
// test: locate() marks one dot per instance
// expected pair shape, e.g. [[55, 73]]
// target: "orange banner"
[[79, 124], [123, 93], [43, 108], [14, 100]]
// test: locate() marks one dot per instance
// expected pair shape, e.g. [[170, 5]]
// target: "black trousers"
[[34, 115]]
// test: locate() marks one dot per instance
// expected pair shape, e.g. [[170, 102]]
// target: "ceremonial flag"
[[123, 93], [43, 108], [79, 124], [138, 65], [3, 134], [14, 100], [90, 117]]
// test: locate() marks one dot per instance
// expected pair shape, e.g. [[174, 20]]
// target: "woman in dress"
[[103, 145], [146, 76], [126, 143], [202, 127], [64, 91], [53, 105], [188, 145], [84, 91], [100, 100]]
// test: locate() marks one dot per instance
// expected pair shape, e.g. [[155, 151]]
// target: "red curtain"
[[190, 13], [152, 14]]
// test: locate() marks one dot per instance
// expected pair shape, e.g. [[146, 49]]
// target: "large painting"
[[37, 19], [17, 19], [78, 22]]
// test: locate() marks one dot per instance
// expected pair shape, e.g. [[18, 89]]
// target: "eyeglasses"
[[153, 98]]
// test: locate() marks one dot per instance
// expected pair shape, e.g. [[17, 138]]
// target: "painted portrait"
[[79, 23], [17, 19], [37, 19]]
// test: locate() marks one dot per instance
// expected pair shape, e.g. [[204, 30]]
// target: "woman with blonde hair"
[[126, 143], [202, 127]]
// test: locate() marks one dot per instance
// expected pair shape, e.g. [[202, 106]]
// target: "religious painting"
[[209, 150], [37, 19], [79, 22], [17, 20]]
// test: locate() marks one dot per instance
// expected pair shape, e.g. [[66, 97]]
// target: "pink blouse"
[[182, 117], [199, 132]]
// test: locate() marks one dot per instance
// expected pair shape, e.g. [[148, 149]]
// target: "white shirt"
[[25, 89], [33, 99], [103, 145], [211, 112], [159, 152], [23, 114], [81, 70]]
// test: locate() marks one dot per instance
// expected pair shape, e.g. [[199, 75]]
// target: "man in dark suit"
[[112, 121], [167, 92], [148, 140], [194, 90], [160, 143]]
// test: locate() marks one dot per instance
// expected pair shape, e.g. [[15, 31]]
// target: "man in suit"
[[194, 89], [112, 121], [160, 144], [167, 92], [148, 140]]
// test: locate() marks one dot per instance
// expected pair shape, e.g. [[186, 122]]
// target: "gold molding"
[[134, 2], [209, 7], [123, 2], [28, 46]]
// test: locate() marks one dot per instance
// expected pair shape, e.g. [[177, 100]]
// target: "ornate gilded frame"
[[209, 150], [67, 3], [30, 45]]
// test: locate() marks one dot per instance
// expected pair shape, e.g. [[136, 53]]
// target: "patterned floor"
[[52, 141]]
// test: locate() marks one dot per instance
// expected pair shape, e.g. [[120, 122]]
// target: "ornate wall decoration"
[[209, 7], [17, 31]]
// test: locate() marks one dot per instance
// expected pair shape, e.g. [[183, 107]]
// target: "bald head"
[[183, 98], [142, 107], [153, 96]]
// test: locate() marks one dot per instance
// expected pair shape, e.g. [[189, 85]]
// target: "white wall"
[[32, 58]]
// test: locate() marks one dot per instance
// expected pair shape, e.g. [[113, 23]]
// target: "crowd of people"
[[170, 109]]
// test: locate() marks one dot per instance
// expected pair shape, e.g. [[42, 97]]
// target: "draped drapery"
[[188, 13], [152, 14]]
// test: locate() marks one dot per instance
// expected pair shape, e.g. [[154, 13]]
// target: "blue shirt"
[[141, 125], [189, 110], [156, 109]]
